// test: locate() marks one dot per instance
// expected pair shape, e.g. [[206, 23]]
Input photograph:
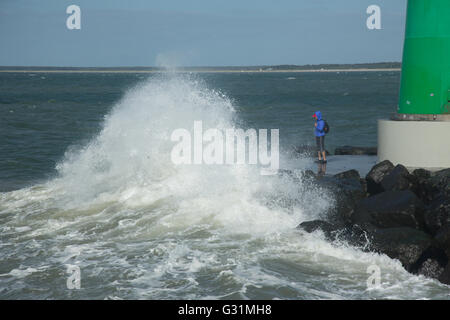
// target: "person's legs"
[[322, 146], [318, 143]]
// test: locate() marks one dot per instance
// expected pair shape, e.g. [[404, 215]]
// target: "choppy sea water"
[[86, 180]]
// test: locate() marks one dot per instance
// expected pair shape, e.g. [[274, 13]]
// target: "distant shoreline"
[[198, 71]]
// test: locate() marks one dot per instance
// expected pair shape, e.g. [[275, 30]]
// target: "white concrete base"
[[415, 144]]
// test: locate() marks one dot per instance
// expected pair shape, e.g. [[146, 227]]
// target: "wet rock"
[[422, 187], [353, 235], [347, 193], [364, 185], [376, 175], [431, 269], [349, 150], [350, 174], [422, 174], [398, 179], [445, 275], [442, 239], [432, 262], [437, 215], [405, 216], [440, 181], [431, 186], [390, 209], [311, 226], [404, 244]]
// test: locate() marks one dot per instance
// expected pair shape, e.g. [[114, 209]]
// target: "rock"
[[307, 151], [349, 150], [376, 175], [432, 262], [440, 180], [422, 187], [311, 226], [431, 269], [364, 185], [390, 209], [431, 186], [404, 244], [398, 179], [347, 193], [350, 174], [442, 239], [353, 235], [445, 275], [422, 174], [437, 215]]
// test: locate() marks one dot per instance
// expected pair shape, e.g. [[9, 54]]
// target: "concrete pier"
[[336, 164]]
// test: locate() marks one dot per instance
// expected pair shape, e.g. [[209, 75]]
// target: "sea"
[[92, 205]]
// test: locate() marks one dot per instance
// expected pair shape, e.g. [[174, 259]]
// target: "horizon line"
[[202, 67]]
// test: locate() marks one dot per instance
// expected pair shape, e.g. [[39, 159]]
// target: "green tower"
[[421, 138], [425, 84]]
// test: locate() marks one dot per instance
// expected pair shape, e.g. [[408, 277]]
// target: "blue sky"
[[198, 32]]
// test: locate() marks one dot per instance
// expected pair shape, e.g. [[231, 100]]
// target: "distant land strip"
[[367, 67], [197, 71]]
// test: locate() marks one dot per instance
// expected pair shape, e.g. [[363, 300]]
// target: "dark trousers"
[[320, 141]]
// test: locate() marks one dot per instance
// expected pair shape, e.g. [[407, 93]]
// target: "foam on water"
[[139, 226]]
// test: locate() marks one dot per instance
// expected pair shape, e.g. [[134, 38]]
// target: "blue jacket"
[[320, 125]]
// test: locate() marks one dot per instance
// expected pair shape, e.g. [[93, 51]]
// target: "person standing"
[[319, 131]]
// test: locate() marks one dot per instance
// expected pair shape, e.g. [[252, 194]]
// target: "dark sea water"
[[44, 114], [86, 180]]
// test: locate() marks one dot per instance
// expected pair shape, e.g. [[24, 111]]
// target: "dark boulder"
[[390, 209], [422, 187], [404, 244], [432, 262], [440, 180], [398, 179], [437, 215], [376, 175], [350, 174], [422, 174], [364, 185], [347, 193], [353, 151], [352, 235], [310, 226], [353, 175], [431, 269], [430, 186], [442, 239], [445, 275]]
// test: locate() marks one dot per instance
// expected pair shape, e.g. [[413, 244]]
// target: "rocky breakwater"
[[405, 215]]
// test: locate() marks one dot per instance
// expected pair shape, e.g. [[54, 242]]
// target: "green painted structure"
[[425, 81]]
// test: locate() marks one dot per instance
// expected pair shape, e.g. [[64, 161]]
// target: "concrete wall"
[[415, 144]]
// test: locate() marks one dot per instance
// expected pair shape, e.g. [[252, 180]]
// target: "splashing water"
[[139, 226]]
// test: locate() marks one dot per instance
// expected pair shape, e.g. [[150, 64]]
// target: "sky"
[[199, 32]]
